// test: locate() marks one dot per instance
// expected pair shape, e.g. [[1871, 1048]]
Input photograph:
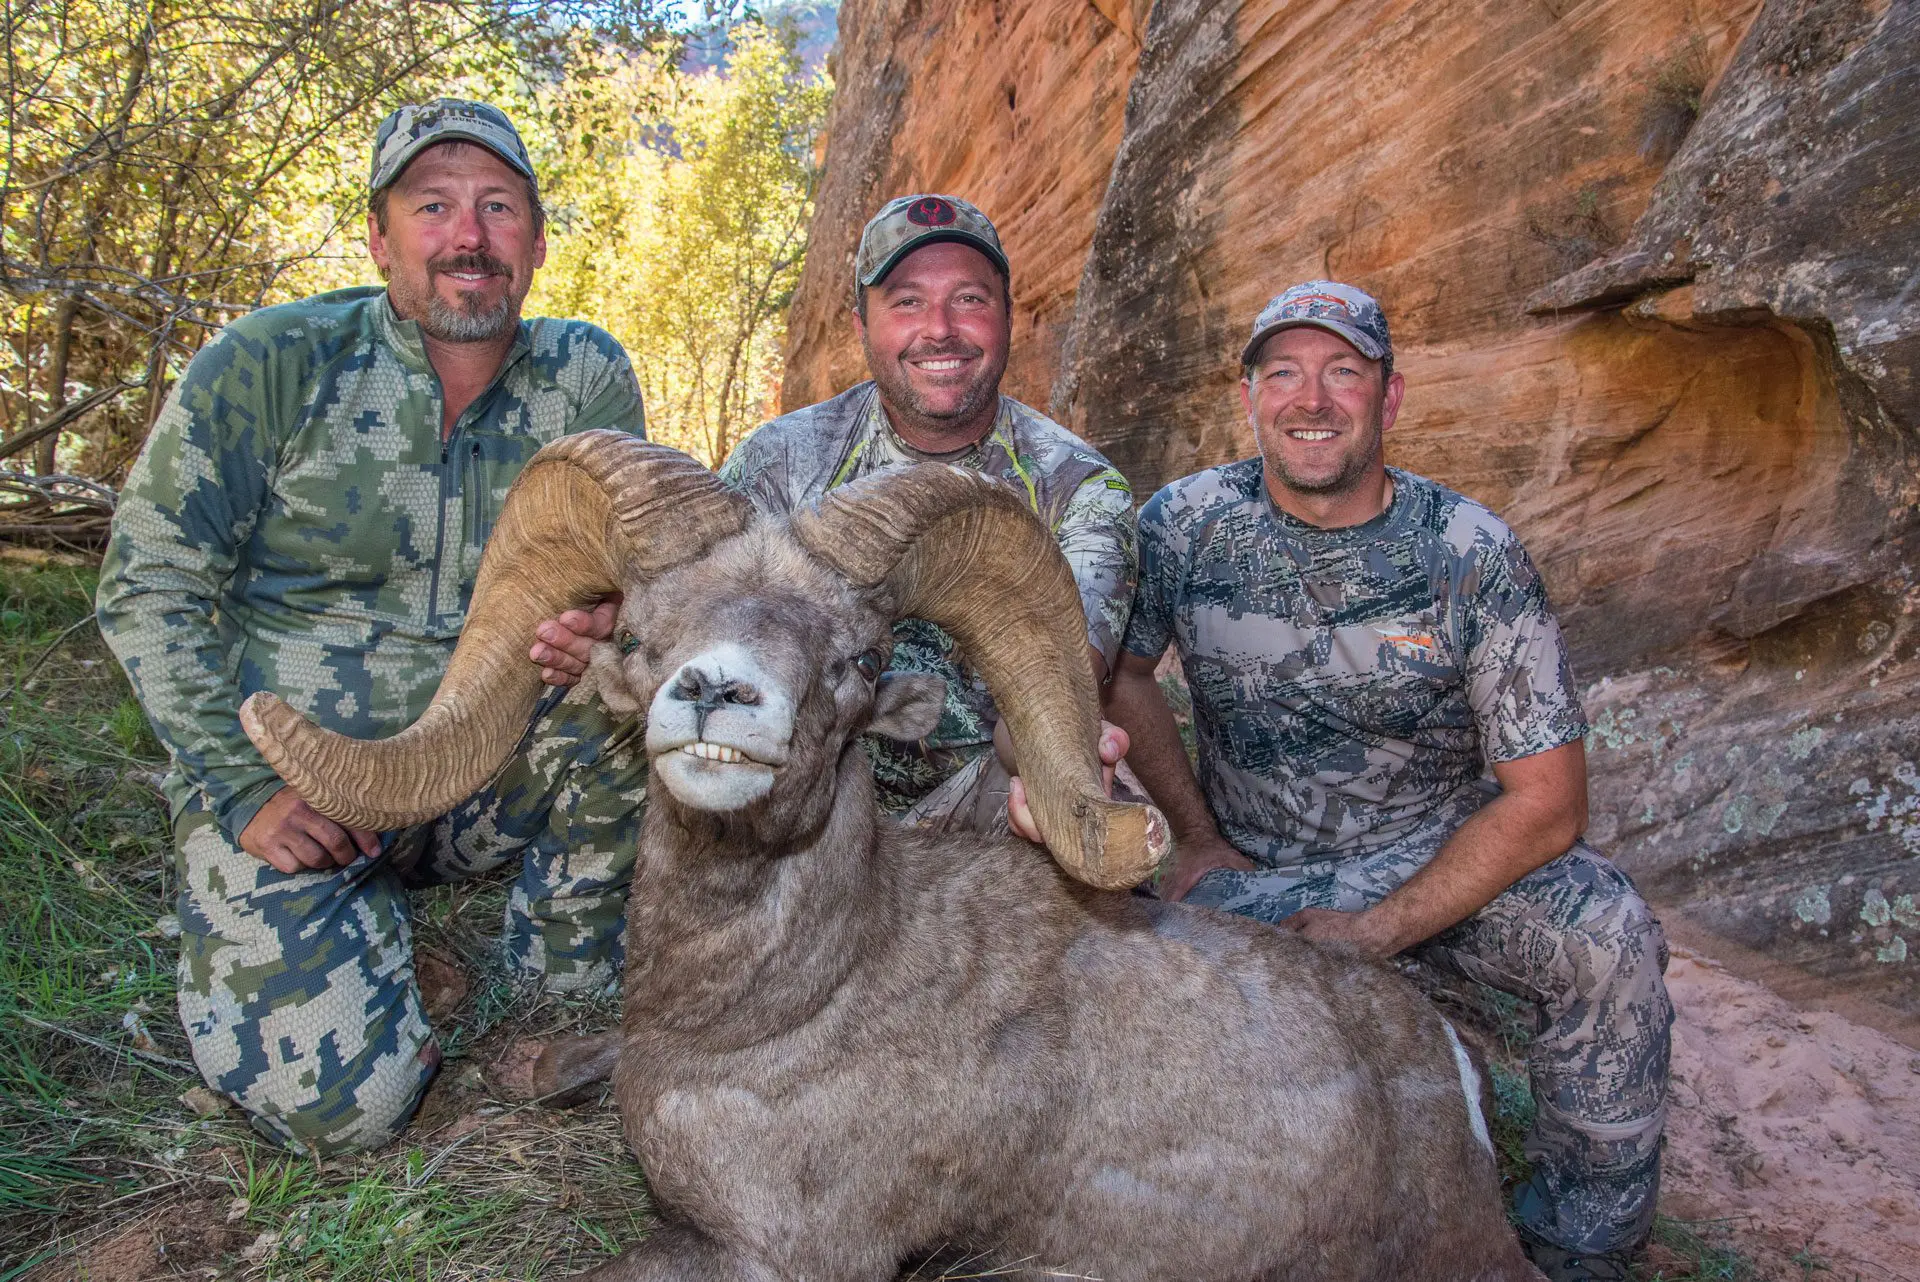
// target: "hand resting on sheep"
[[846, 1044]]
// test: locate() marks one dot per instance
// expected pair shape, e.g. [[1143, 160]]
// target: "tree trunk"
[[45, 454]]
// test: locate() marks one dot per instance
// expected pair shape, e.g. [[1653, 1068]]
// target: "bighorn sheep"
[[847, 1044]]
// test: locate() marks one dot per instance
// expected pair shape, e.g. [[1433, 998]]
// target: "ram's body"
[[915, 1042], [847, 1045]]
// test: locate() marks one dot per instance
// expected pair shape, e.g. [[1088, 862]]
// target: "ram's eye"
[[869, 665], [627, 642]]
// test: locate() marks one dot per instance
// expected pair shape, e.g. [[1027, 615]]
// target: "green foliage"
[[1513, 1113], [82, 883], [168, 166], [680, 205]]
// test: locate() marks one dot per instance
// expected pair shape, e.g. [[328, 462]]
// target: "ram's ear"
[[608, 673], [907, 705]]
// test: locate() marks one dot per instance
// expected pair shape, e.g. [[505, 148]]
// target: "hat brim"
[[980, 243], [452, 134], [1362, 342]]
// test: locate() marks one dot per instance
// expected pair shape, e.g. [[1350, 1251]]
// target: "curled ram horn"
[[589, 514], [961, 550]]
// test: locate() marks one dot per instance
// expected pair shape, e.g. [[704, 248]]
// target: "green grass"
[[1704, 1250], [96, 1142]]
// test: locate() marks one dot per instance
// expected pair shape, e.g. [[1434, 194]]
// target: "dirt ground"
[[1798, 1127]]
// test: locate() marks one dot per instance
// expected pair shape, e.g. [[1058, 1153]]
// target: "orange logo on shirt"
[[1420, 647]]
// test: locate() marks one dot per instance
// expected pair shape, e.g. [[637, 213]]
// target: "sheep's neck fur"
[[736, 938]]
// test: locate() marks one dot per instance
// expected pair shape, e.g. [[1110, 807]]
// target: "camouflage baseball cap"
[[909, 222], [417, 126], [1325, 304]]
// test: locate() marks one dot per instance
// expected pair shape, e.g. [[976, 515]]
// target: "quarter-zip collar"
[[404, 339]]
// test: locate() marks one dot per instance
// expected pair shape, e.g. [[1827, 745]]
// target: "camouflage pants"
[[298, 992], [1575, 941]]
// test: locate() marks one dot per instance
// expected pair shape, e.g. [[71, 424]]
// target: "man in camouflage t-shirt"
[[933, 312], [307, 517], [1390, 751]]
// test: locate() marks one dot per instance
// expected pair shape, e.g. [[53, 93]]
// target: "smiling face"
[[936, 332], [1319, 410], [460, 244]]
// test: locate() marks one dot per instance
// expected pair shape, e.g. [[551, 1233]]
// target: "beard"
[[472, 320], [899, 393], [1354, 465]]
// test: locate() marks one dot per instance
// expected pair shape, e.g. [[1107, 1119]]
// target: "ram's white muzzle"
[[717, 729]]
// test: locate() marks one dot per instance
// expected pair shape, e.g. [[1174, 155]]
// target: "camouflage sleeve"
[[1150, 626], [190, 503], [1519, 681], [756, 469], [1097, 534]]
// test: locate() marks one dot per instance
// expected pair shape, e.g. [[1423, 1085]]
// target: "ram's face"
[[755, 667]]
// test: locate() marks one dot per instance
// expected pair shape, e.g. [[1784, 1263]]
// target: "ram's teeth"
[[713, 752]]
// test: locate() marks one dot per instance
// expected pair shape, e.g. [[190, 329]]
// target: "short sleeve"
[[1519, 680], [755, 469], [1096, 533], [1150, 626]]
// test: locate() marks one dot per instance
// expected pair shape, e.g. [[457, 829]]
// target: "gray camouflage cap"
[[417, 126], [1325, 304], [908, 222]]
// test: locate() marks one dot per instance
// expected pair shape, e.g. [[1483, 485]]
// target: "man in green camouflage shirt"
[[1391, 751], [307, 517], [933, 312]]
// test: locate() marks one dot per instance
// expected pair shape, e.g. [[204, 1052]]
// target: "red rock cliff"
[[1651, 271]]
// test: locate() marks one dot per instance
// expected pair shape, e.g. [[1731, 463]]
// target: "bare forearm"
[[1507, 839], [1136, 705]]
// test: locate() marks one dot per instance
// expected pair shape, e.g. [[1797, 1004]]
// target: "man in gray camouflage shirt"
[[934, 314], [307, 517], [1391, 751]]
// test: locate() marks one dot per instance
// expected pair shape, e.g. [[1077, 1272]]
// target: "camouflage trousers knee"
[[298, 992], [1575, 941]]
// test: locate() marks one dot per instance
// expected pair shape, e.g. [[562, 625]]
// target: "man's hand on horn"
[[564, 644], [1113, 747], [294, 837]]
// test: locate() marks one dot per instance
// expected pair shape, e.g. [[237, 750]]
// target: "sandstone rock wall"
[[1652, 273], [1016, 105]]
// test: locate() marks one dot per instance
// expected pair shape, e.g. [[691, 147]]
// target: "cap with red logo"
[[1325, 304], [910, 222]]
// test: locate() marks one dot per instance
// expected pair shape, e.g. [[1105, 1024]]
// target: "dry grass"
[[108, 1170]]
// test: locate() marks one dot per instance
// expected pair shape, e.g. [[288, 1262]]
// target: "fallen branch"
[[84, 529], [67, 414], [87, 1039]]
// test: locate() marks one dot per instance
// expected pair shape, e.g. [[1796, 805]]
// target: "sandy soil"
[[1800, 1127]]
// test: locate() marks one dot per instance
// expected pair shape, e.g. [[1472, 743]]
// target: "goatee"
[[472, 319]]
